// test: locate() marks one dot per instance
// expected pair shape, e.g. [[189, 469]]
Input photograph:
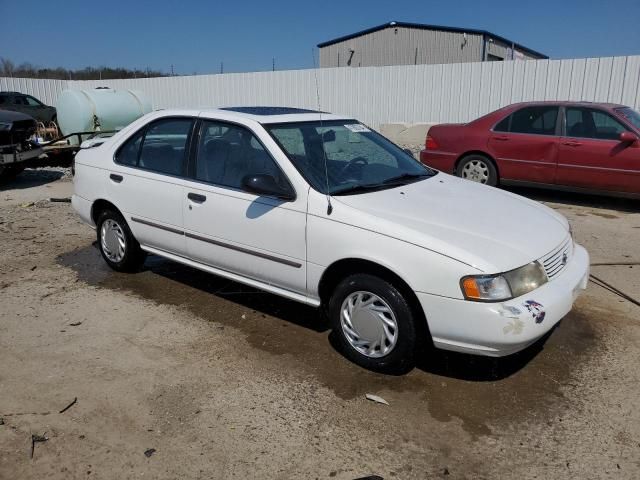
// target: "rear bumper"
[[443, 161], [19, 156], [83, 208], [500, 329]]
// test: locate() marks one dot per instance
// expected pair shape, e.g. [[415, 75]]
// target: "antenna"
[[324, 153]]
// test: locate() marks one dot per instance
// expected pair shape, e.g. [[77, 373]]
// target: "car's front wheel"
[[118, 246], [478, 168], [373, 324]]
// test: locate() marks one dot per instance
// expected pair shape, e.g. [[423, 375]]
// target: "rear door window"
[[538, 120], [160, 147]]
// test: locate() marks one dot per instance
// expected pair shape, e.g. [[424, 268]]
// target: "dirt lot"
[[226, 382]]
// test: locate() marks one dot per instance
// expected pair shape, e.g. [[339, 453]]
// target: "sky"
[[195, 36]]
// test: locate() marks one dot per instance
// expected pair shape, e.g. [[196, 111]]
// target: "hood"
[[9, 116], [484, 227]]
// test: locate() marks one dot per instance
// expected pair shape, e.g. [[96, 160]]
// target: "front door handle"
[[116, 178], [196, 197], [572, 144]]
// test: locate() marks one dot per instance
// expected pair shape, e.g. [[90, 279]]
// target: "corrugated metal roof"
[[423, 26]]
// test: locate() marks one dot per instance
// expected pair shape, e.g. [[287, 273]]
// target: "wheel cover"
[[112, 240], [476, 170], [369, 324]]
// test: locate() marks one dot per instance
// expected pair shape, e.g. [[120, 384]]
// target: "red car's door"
[[525, 144], [592, 155]]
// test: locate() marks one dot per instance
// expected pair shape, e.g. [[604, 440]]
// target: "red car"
[[578, 146]]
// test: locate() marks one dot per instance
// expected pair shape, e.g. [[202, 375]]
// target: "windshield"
[[358, 159], [631, 115]]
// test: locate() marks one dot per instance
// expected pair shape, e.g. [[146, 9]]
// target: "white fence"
[[45, 90], [378, 95]]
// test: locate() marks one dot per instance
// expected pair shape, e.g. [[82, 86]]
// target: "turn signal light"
[[431, 144], [470, 288]]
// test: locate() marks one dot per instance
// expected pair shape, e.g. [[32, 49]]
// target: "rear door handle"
[[116, 178], [572, 144], [196, 197], [501, 138]]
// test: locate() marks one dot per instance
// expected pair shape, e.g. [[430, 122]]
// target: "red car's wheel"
[[478, 168]]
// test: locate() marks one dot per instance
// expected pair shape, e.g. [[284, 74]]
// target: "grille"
[[24, 127], [553, 262]]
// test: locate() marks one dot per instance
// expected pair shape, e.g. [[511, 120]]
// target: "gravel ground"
[[215, 380]]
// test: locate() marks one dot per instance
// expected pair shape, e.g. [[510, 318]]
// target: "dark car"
[[579, 146], [16, 130], [20, 102]]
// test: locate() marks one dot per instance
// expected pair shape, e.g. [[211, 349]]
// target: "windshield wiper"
[[367, 187], [406, 176]]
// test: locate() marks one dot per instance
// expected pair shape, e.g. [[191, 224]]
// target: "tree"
[[27, 70]]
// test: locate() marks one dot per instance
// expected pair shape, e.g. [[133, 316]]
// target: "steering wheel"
[[354, 161]]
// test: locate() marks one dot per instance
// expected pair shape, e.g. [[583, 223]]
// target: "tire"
[[9, 172], [478, 168], [118, 246], [358, 333]]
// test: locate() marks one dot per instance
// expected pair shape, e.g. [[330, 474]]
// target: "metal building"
[[399, 43]]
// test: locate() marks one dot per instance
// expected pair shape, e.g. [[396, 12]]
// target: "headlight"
[[5, 125], [504, 286]]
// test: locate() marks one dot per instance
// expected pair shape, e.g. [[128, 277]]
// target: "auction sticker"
[[357, 128]]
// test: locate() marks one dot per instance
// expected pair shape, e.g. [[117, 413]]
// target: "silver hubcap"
[[476, 170], [369, 324], [113, 240]]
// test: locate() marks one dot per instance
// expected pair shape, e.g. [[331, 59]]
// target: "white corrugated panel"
[[591, 70], [553, 80], [616, 84], [576, 82], [603, 79]]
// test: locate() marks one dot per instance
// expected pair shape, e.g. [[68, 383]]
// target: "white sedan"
[[320, 209]]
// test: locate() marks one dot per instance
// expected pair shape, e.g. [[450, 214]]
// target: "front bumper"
[[503, 328]]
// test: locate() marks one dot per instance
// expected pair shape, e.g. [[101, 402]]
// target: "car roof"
[[269, 114], [580, 103]]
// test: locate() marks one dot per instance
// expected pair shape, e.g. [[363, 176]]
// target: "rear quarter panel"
[[454, 141]]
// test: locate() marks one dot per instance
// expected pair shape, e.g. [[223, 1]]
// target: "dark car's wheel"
[[373, 324], [117, 244], [9, 172], [478, 168]]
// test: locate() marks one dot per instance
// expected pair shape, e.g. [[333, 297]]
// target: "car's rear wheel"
[[478, 168], [373, 324], [118, 246]]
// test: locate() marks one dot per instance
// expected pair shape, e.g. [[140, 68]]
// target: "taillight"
[[431, 144]]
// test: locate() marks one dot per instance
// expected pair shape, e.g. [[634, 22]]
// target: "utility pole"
[[221, 67], [172, 74], [273, 64]]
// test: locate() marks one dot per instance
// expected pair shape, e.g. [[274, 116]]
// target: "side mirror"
[[263, 184], [628, 137]]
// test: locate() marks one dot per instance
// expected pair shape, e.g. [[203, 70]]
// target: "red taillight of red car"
[[431, 144]]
